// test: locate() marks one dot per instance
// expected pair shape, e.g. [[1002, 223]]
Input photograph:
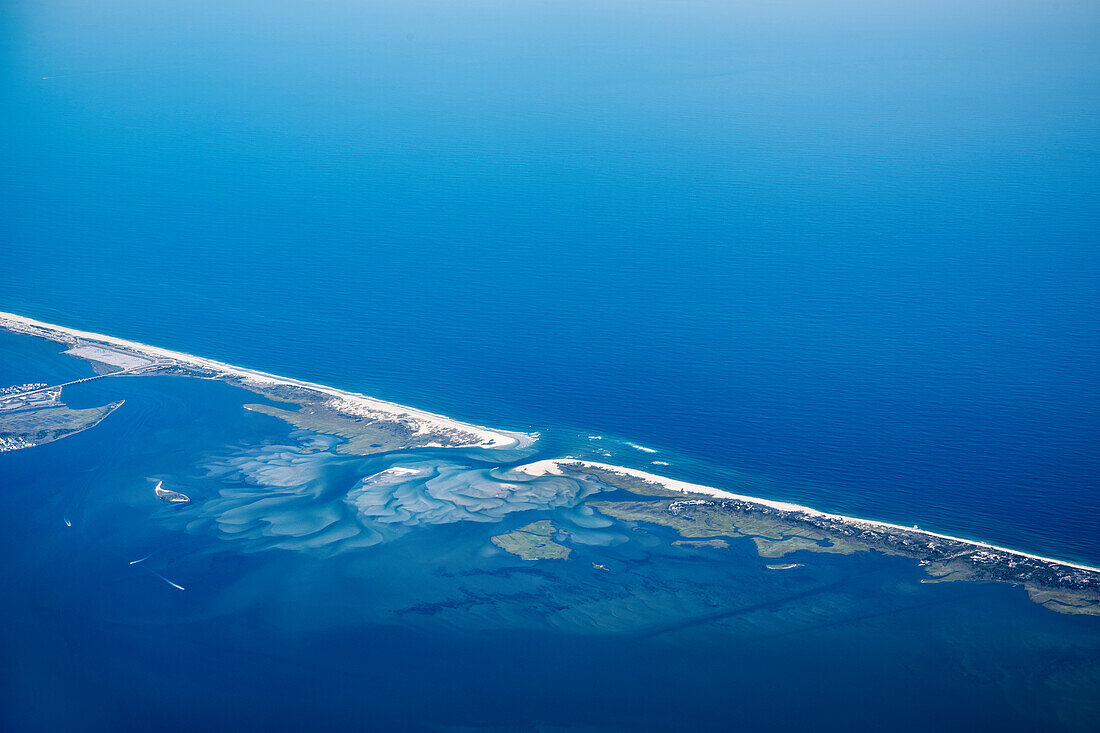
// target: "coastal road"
[[29, 392]]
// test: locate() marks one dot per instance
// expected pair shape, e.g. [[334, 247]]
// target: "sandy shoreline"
[[554, 465], [427, 421]]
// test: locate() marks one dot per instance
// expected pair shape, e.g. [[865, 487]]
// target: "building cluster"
[[975, 561]]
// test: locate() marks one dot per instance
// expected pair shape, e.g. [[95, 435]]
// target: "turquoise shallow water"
[[843, 255]]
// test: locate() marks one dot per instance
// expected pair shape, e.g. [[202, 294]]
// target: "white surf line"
[[489, 438], [166, 580], [554, 465]]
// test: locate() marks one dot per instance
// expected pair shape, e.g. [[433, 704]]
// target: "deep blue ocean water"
[[843, 254]]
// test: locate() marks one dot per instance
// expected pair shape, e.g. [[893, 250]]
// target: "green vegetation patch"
[[773, 537], [363, 436], [633, 484], [697, 525], [778, 548], [26, 428], [943, 572], [533, 542], [1064, 601], [704, 520], [716, 543]]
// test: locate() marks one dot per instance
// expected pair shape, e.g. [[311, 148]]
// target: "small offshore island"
[[168, 496], [704, 517], [533, 542]]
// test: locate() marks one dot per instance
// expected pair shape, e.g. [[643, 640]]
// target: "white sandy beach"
[[352, 402], [427, 422], [553, 466]]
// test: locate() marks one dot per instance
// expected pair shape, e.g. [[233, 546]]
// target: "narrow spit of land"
[[699, 513], [367, 425], [778, 529]]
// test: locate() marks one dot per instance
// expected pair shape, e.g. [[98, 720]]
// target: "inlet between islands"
[[487, 438]]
